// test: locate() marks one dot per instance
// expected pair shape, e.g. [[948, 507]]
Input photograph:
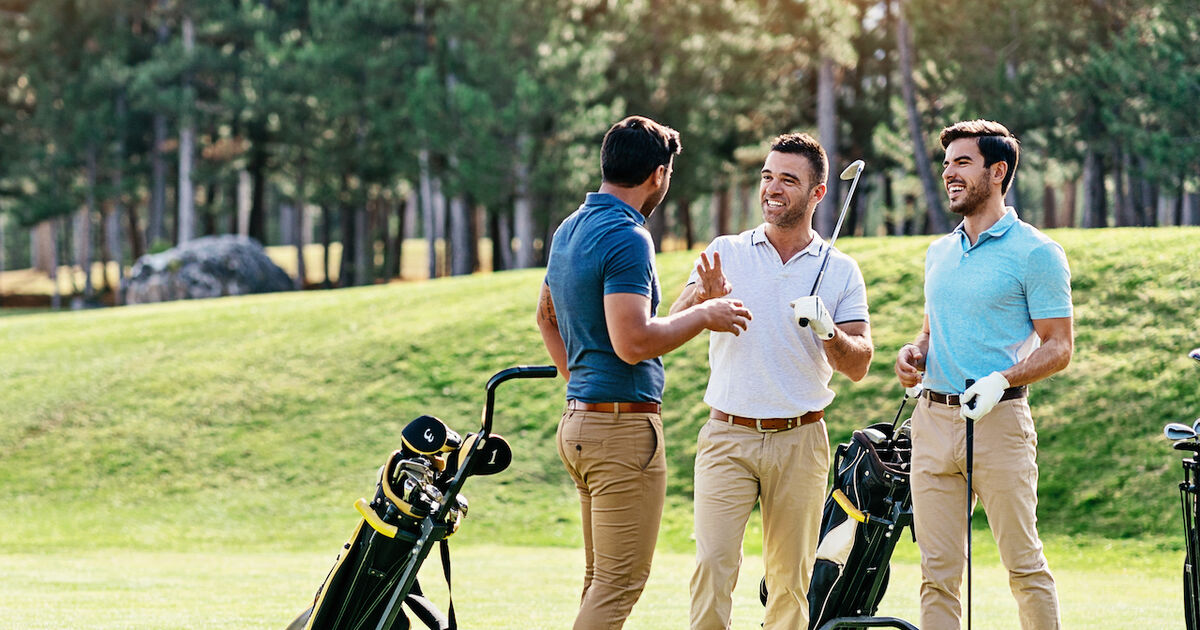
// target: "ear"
[[659, 175], [999, 170], [818, 192]]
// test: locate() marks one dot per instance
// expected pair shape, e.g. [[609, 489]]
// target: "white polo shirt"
[[775, 368]]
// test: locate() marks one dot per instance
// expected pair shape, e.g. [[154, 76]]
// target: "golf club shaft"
[[837, 228], [970, 439]]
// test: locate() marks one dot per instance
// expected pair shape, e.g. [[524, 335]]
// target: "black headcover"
[[428, 435], [494, 456]]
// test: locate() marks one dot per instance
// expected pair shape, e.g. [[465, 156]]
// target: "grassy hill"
[[244, 422]]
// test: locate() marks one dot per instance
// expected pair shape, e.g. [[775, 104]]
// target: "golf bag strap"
[[449, 594]]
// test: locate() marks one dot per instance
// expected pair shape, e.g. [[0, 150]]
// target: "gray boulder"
[[207, 267]]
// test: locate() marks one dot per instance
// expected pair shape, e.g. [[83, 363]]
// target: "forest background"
[[368, 126]]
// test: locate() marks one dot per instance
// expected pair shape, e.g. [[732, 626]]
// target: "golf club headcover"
[[810, 311], [981, 396], [428, 435], [493, 457]]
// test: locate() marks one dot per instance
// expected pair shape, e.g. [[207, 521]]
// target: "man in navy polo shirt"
[[596, 314], [998, 317]]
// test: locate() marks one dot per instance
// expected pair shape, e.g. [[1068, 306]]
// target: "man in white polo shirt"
[[765, 440]]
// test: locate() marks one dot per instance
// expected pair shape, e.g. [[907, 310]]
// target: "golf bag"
[[416, 503], [868, 508], [1191, 573]]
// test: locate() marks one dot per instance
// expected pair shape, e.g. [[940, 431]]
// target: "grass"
[[525, 588], [215, 434]]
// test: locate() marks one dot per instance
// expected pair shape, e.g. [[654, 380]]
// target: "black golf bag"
[[868, 508], [416, 504]]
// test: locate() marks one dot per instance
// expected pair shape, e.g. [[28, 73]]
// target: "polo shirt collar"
[[996, 231], [759, 236], [598, 199]]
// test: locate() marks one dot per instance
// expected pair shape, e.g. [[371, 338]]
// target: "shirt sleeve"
[[852, 307], [629, 264], [1048, 282]]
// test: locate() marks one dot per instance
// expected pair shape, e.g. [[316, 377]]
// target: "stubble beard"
[[972, 200]]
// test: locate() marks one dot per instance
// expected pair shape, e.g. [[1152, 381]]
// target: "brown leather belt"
[[952, 400], [617, 407], [768, 425]]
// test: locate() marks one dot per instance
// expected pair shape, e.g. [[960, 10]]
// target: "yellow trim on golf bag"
[[373, 519], [851, 511], [332, 572]]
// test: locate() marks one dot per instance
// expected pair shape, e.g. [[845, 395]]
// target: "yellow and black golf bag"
[[417, 503]]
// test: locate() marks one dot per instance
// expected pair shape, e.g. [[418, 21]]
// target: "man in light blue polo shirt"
[[596, 314], [998, 317]]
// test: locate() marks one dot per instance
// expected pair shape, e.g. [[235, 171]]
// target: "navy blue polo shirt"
[[602, 248]]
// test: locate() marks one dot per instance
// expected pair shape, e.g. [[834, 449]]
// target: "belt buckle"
[[758, 425]]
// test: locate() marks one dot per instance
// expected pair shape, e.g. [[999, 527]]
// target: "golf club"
[[1196, 426], [853, 171], [1177, 431], [970, 495], [1195, 354]]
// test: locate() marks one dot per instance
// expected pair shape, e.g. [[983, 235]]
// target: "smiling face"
[[969, 184], [787, 191]]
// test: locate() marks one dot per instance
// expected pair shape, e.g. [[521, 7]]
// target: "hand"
[[725, 315], [810, 311], [713, 283], [909, 363], [981, 398]]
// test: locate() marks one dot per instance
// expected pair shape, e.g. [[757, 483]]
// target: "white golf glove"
[[811, 309], [982, 396]]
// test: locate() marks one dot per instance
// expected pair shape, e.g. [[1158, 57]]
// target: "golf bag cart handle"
[[437, 521]]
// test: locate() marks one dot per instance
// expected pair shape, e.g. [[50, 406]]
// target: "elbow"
[[632, 353]]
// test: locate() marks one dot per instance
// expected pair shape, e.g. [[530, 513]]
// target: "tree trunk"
[[936, 219], [656, 224], [1124, 209], [721, 211], [1191, 209], [501, 242], [1049, 207], [347, 273], [187, 145], [827, 124], [1165, 206], [326, 242], [298, 226], [245, 201], [83, 227], [683, 209], [429, 215], [363, 268], [403, 211], [1095, 206], [460, 236], [1066, 217], [523, 206]]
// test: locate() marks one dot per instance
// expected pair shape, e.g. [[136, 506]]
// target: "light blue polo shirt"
[[602, 248], [982, 299]]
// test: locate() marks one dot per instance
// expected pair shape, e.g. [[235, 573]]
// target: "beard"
[[972, 197], [653, 201], [791, 215]]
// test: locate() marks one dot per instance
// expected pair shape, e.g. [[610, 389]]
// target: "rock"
[[206, 267]]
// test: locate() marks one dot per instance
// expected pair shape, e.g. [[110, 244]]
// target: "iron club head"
[[852, 170], [1196, 426], [1176, 431]]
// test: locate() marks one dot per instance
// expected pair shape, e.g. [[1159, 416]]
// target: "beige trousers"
[[1005, 480], [785, 471], [619, 467]]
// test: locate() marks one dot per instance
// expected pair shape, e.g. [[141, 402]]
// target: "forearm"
[[547, 322], [1051, 357], [689, 297], [660, 335], [850, 352]]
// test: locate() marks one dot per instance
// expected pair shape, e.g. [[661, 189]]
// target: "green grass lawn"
[[1130, 586], [228, 438]]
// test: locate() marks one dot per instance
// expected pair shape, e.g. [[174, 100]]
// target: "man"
[[765, 440], [994, 288], [596, 314]]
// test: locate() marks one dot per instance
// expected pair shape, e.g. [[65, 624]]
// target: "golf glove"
[[981, 398], [812, 309]]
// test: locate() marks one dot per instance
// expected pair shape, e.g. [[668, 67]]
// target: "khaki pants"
[[1005, 480], [736, 467], [619, 467]]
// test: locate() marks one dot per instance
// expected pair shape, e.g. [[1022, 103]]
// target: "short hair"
[[806, 145], [634, 148], [995, 143]]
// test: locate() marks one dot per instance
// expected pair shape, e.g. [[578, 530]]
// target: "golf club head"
[[1196, 426], [874, 435], [852, 170], [1176, 431], [1195, 354]]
